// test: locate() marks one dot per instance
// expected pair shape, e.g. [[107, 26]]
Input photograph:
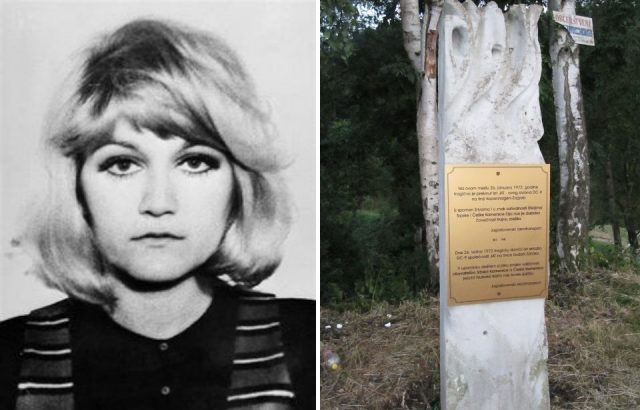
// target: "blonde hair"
[[174, 81]]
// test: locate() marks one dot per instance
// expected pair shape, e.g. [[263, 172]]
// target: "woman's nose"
[[159, 197]]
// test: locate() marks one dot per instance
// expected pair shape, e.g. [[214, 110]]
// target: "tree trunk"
[[420, 40], [632, 231], [412, 31], [574, 196], [613, 209]]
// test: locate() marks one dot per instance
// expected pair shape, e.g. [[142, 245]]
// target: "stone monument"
[[494, 354]]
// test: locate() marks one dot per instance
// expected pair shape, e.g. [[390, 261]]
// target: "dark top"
[[114, 368]]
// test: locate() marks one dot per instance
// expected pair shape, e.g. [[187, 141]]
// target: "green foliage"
[[605, 255], [369, 185], [611, 89], [338, 18]]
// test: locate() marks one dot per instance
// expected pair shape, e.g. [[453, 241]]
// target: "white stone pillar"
[[493, 355]]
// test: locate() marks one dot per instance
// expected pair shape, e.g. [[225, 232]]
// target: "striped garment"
[[259, 377], [45, 374]]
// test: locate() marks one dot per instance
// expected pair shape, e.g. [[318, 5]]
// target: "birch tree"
[[573, 212], [420, 34]]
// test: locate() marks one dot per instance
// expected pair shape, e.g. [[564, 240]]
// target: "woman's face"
[[159, 207]]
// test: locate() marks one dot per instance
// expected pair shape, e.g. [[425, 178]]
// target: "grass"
[[382, 367], [594, 342], [593, 325]]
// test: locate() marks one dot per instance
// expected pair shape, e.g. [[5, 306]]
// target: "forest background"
[[371, 214]]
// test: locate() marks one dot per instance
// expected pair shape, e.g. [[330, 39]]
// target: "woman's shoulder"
[[11, 337], [293, 312], [298, 314], [298, 324], [11, 327], [12, 333], [297, 318]]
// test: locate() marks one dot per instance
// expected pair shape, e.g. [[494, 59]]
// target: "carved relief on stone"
[[491, 111]]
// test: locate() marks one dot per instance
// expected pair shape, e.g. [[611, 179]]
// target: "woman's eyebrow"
[[124, 144], [98, 145], [190, 144]]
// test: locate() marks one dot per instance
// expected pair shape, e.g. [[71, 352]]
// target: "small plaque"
[[579, 27], [497, 220]]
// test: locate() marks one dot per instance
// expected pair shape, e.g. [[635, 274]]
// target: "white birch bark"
[[411, 32], [573, 212], [420, 41]]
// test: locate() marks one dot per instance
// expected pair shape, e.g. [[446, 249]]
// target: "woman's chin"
[[152, 276]]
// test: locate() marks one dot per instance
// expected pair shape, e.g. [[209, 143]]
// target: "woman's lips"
[[157, 235], [155, 239]]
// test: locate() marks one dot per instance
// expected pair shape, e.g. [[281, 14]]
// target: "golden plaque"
[[497, 221]]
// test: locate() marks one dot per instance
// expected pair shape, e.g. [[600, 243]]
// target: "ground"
[[593, 325]]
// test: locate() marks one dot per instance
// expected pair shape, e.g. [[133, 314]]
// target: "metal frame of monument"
[[506, 218]]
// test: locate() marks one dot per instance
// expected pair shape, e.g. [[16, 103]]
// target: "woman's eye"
[[200, 164], [121, 167]]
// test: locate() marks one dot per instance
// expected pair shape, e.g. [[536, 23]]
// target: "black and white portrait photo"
[[158, 205]]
